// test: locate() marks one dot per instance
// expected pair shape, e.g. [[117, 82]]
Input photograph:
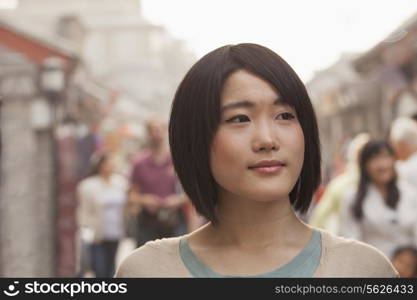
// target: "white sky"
[[309, 35]]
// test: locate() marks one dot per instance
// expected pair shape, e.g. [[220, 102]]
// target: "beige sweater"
[[340, 257]]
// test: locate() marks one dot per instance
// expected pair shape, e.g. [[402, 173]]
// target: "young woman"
[[382, 211], [102, 200], [245, 145]]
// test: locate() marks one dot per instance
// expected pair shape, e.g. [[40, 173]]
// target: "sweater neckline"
[[304, 264]]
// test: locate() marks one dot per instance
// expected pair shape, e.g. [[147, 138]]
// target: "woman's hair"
[[369, 151], [195, 117], [96, 161]]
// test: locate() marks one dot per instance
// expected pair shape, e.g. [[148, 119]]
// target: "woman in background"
[[102, 199], [382, 211]]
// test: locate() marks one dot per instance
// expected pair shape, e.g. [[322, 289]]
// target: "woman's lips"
[[268, 168]]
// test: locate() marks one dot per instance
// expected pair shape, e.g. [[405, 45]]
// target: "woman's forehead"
[[243, 82], [243, 89], [249, 104]]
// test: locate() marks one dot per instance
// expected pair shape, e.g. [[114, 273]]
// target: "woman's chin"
[[268, 197]]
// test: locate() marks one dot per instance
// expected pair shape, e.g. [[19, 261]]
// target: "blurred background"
[[83, 76]]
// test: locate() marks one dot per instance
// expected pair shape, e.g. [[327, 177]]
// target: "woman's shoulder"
[[158, 258], [88, 184], [344, 257], [120, 181], [407, 190]]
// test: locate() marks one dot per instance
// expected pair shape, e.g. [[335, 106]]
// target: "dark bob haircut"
[[195, 117]]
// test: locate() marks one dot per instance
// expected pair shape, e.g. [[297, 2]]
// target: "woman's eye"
[[286, 116], [238, 119]]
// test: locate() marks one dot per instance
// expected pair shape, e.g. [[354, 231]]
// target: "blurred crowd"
[[117, 214]]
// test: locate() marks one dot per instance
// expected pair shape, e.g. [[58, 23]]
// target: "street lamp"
[[52, 77], [51, 83]]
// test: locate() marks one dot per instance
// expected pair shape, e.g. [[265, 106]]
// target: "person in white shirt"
[[382, 211], [403, 136], [102, 199], [326, 214]]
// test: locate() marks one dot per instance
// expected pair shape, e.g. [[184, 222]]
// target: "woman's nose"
[[264, 138]]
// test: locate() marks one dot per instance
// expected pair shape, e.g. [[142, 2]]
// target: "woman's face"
[[107, 166], [381, 167], [258, 150]]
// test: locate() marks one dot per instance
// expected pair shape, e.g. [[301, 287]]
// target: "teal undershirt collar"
[[304, 264]]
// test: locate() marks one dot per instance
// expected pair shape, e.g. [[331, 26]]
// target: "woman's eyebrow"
[[247, 104]]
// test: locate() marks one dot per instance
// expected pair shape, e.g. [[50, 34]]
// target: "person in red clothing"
[[155, 190]]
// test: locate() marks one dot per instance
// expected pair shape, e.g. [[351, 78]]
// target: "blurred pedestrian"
[[245, 145], [382, 211], [156, 189], [404, 261], [101, 211], [326, 213], [403, 136]]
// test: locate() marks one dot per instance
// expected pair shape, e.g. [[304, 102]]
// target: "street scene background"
[[84, 77]]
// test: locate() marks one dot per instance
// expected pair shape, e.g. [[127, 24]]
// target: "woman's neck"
[[382, 189], [251, 224], [159, 152], [105, 176]]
